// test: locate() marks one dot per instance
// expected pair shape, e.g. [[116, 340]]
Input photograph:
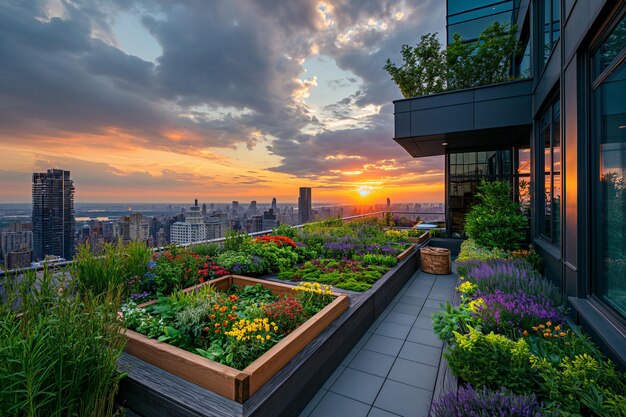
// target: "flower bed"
[[510, 332], [256, 328]]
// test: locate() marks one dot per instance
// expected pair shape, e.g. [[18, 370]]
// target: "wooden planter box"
[[224, 380], [421, 238], [406, 252]]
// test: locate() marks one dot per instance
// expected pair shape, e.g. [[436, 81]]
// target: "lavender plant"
[[468, 402]]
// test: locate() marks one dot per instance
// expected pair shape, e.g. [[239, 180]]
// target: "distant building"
[[14, 238], [53, 214], [274, 205], [304, 205], [132, 228], [193, 229], [388, 202], [268, 222], [21, 258]]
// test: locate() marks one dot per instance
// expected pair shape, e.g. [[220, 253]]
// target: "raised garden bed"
[[229, 382], [151, 391]]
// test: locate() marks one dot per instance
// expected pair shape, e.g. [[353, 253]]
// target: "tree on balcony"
[[428, 68]]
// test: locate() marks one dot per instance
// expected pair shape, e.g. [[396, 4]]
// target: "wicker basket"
[[436, 260]]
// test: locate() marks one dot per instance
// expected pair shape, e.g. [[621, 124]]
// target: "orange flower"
[[224, 308], [206, 329], [546, 335], [562, 334], [234, 307], [541, 326], [557, 327], [217, 325], [535, 328], [525, 332], [217, 330], [215, 307], [549, 323]]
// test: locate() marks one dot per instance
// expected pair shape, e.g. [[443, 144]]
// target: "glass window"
[[466, 170], [550, 137], [609, 141], [470, 30], [550, 18]]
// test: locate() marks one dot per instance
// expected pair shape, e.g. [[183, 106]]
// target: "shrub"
[[472, 251], [496, 221], [468, 402], [492, 360], [450, 320], [275, 256]]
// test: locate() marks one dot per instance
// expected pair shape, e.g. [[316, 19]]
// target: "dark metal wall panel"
[[549, 78], [582, 16], [442, 100], [440, 120], [402, 125], [489, 114]]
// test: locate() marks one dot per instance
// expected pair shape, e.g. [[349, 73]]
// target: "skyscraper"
[[304, 205], [274, 205], [53, 214]]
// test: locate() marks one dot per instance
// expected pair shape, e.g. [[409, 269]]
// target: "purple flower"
[[139, 296], [515, 312], [470, 403]]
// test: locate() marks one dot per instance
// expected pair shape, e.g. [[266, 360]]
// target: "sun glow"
[[364, 191]]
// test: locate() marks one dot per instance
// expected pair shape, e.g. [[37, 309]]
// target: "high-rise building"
[[16, 246], [132, 228], [304, 205], [53, 214], [388, 202], [274, 205], [192, 229]]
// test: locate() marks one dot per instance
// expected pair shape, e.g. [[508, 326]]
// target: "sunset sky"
[[167, 101]]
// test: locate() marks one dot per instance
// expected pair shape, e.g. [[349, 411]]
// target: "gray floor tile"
[[335, 405], [372, 362], [413, 300], [403, 399], [441, 296], [358, 385], [333, 377], [424, 323], [313, 403], [406, 309], [429, 311], [384, 344], [426, 337], [400, 318], [413, 373], [434, 303], [377, 412], [393, 330], [350, 356], [364, 339], [418, 352]]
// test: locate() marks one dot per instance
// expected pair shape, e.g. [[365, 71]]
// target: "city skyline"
[[137, 112]]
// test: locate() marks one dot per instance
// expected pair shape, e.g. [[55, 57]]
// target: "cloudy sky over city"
[[166, 101]]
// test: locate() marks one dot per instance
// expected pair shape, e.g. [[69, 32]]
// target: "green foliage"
[[347, 274], [582, 384], [206, 249], [59, 348], [235, 240], [496, 221], [492, 360], [470, 250], [285, 230], [487, 61], [98, 273], [529, 255], [382, 260], [275, 258], [424, 68], [428, 68], [240, 262], [451, 320]]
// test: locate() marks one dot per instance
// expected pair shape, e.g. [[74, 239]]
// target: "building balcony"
[[490, 116]]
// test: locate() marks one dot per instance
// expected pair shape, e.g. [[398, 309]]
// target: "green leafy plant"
[[486, 61], [492, 360], [235, 240], [453, 320], [97, 273], [496, 221], [427, 68]]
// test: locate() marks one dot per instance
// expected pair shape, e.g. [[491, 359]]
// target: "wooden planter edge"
[[222, 379]]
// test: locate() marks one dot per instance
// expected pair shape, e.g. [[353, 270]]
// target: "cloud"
[[230, 76]]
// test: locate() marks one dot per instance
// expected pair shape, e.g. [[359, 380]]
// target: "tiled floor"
[[393, 368]]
